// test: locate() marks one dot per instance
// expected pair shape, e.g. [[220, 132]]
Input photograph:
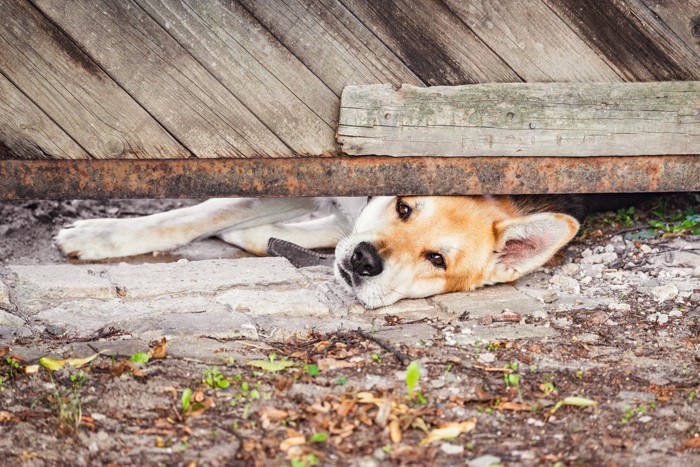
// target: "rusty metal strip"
[[343, 176]]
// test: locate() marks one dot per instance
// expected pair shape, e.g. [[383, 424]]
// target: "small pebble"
[[484, 461], [452, 449], [619, 307], [664, 292]]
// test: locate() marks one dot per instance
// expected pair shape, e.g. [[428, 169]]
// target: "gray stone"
[[214, 323], [4, 294], [290, 302], [8, 319], [37, 284], [485, 461], [488, 301], [566, 283], [201, 277], [410, 334], [504, 332], [664, 292], [600, 258], [452, 449]]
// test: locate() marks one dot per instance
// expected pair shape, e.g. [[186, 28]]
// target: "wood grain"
[[252, 65], [681, 16], [164, 78], [522, 119], [28, 133], [334, 44], [633, 41], [533, 40], [74, 91], [435, 44]]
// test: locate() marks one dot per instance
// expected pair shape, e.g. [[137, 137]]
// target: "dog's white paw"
[[97, 239]]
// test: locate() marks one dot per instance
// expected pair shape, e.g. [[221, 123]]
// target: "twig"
[[401, 357]]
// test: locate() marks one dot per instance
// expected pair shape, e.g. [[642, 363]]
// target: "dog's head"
[[411, 247]]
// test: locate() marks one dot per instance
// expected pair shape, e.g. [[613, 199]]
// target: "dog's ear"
[[525, 243]]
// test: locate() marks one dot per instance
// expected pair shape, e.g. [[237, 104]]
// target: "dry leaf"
[[201, 407], [126, 366], [31, 369], [4, 351], [158, 352], [692, 443], [449, 431], [514, 406], [54, 365], [325, 364], [395, 431], [273, 414], [383, 413], [5, 416], [293, 441]]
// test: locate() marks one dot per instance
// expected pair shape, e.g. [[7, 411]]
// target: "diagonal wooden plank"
[[331, 42], [164, 78], [522, 119], [432, 41], [635, 43], [532, 40], [682, 17], [251, 63], [74, 92], [26, 132]]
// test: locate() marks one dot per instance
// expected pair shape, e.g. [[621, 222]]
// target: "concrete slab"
[[200, 277], [35, 284], [275, 301], [488, 301], [4, 294]]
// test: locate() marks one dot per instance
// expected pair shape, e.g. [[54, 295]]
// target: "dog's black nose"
[[366, 261]]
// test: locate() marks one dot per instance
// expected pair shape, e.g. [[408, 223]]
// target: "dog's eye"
[[403, 210], [437, 260]]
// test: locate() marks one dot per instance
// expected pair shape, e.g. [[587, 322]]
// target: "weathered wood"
[[533, 40], [28, 133], [344, 176], [334, 44], [73, 91], [522, 119], [435, 44], [251, 63], [635, 43], [681, 16], [164, 78]]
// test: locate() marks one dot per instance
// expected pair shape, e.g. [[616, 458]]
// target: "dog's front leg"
[[110, 238], [324, 232]]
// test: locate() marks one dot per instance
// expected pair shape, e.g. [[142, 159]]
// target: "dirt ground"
[[595, 394]]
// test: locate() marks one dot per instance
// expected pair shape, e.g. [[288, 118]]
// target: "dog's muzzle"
[[364, 262]]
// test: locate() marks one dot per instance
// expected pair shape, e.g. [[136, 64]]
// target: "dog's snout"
[[365, 260]]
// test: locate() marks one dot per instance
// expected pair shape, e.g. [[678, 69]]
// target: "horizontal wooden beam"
[[522, 119], [343, 176]]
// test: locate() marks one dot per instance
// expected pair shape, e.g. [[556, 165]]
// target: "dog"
[[386, 248]]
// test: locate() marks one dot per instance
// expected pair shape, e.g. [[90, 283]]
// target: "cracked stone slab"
[[506, 332], [215, 324], [38, 284], [488, 301], [4, 294], [201, 277], [289, 302]]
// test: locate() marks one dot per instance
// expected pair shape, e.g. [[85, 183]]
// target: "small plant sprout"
[[511, 378], [186, 399], [312, 369], [376, 358], [412, 377], [140, 357], [342, 380], [215, 379]]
